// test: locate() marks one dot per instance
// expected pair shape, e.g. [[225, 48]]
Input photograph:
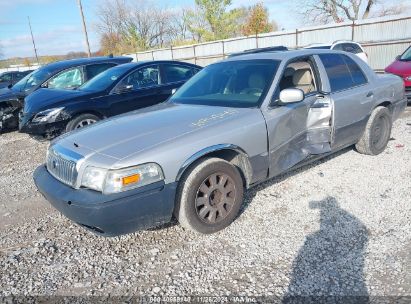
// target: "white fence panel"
[[164, 54], [183, 52], [385, 29], [239, 45], [285, 38], [144, 56], [33, 67], [325, 34], [209, 49]]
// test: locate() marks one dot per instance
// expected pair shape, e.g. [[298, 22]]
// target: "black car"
[[8, 79], [48, 113], [67, 74]]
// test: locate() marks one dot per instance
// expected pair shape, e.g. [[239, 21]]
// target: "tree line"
[[137, 25]]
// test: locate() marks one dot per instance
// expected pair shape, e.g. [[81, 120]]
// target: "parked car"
[[121, 89], [8, 79], [67, 74], [402, 67], [233, 125], [342, 45]]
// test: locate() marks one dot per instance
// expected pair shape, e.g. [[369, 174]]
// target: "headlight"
[[93, 178], [408, 78], [49, 115], [114, 181]]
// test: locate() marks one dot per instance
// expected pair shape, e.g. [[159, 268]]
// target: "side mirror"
[[398, 57], [124, 88], [291, 96]]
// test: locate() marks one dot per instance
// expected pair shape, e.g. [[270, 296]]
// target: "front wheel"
[[377, 132], [210, 196], [81, 121]]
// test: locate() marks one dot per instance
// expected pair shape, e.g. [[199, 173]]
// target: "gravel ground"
[[338, 227]]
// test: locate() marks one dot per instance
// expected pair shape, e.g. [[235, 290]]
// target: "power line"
[[32, 39], [84, 27]]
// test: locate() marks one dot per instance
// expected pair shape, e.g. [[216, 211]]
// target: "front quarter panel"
[[246, 131]]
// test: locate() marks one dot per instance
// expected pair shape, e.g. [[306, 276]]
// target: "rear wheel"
[[81, 121], [377, 132], [210, 196]]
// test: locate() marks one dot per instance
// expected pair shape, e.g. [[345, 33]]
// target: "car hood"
[[7, 94], [46, 98], [138, 131], [402, 68]]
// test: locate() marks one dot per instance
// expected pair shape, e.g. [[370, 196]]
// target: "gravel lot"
[[339, 227]]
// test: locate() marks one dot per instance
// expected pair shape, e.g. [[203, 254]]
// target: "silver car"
[[233, 125]]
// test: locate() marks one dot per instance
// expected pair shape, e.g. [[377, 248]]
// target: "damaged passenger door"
[[319, 125], [300, 128]]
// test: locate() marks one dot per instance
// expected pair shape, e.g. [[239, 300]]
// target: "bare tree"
[[131, 25], [324, 11], [390, 10]]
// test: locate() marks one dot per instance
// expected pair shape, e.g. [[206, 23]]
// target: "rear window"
[[176, 73], [348, 47], [93, 70], [343, 73]]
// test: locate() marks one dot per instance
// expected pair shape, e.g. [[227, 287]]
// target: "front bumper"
[[113, 214], [40, 129]]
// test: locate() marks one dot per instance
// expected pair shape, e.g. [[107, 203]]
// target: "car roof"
[[64, 64], [285, 55], [132, 65]]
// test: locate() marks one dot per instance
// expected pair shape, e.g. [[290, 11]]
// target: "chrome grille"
[[62, 169]]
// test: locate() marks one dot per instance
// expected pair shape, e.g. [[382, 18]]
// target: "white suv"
[[342, 45]]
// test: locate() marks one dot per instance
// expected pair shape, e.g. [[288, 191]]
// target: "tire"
[[81, 120], [209, 196], [377, 132]]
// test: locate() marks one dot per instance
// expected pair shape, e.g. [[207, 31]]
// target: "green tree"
[[211, 20], [257, 21]]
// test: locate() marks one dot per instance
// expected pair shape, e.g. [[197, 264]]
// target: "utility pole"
[[32, 39], [84, 27]]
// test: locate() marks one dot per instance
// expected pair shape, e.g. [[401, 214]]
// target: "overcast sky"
[[57, 25]]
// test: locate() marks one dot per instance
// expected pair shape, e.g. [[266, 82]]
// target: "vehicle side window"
[[68, 79], [5, 78], [299, 74], [176, 73], [142, 78], [95, 69], [357, 75], [338, 72]]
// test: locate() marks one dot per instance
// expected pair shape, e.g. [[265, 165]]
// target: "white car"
[[342, 45]]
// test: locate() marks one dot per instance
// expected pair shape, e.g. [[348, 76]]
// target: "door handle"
[[370, 94]]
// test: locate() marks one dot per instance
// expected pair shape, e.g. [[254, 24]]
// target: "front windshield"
[[407, 55], [241, 83], [103, 80], [32, 80]]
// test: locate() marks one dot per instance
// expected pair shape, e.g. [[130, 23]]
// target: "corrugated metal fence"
[[383, 39], [20, 68]]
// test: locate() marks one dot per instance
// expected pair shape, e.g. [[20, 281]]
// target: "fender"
[[243, 161]]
